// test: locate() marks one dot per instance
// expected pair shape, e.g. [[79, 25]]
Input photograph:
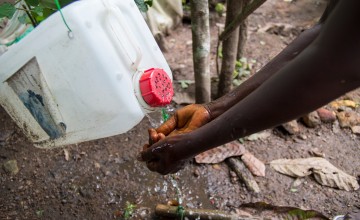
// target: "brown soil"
[[101, 176]]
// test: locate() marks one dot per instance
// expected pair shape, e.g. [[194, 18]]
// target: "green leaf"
[[293, 190], [48, 4], [39, 213], [38, 10], [129, 210], [185, 83], [39, 18], [33, 2], [47, 12], [141, 5], [149, 3], [23, 19], [7, 10], [220, 8]]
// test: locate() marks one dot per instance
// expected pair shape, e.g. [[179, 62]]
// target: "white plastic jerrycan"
[[96, 81]]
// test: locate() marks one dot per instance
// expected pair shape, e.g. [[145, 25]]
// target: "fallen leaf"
[[343, 103], [255, 166], [219, 154], [324, 172]]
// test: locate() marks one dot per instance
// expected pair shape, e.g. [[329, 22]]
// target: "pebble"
[[326, 116], [355, 129], [292, 127], [312, 119], [302, 137], [348, 119]]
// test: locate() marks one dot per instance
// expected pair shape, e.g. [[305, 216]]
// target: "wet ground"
[[101, 179]]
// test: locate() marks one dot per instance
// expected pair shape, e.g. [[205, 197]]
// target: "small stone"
[[66, 155], [311, 120], [97, 165], [216, 167], [11, 167], [316, 153], [348, 119], [292, 127], [355, 129], [196, 173], [326, 116], [302, 137]]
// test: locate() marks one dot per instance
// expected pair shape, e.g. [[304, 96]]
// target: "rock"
[[355, 129], [302, 137], [315, 152], [97, 165], [311, 120], [11, 167], [292, 127], [326, 116], [348, 119]]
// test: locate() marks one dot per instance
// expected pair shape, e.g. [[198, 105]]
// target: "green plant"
[[36, 10], [143, 5], [39, 10], [129, 210], [242, 71], [220, 9]]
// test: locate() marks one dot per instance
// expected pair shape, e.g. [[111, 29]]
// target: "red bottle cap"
[[156, 87]]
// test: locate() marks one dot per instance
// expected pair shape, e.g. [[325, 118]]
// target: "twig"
[[172, 212], [243, 173], [26, 8], [250, 8]]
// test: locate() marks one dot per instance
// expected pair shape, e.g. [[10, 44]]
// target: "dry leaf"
[[324, 172], [343, 103], [219, 154], [255, 166]]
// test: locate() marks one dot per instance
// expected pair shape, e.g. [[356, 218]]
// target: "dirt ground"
[[97, 179]]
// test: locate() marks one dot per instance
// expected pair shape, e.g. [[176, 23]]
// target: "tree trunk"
[[230, 46], [242, 39], [201, 49], [251, 6]]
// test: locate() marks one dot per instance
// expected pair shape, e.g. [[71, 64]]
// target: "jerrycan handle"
[[121, 27]]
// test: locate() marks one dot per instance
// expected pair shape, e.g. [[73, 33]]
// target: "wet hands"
[[164, 141], [184, 120], [166, 156]]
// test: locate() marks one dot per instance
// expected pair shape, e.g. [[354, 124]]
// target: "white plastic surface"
[[84, 82]]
